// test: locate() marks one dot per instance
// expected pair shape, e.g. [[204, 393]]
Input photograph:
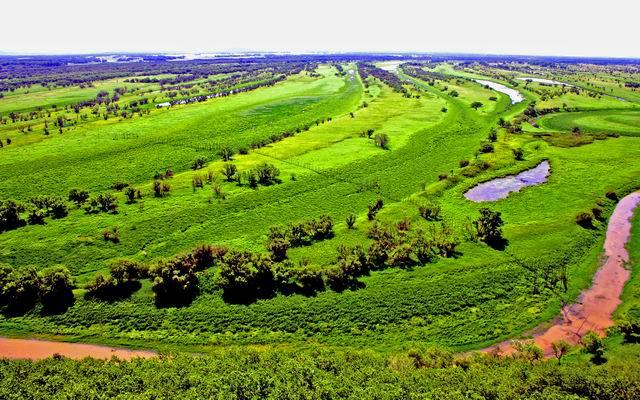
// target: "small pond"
[[500, 188]]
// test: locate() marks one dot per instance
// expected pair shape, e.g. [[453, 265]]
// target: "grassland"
[[480, 297]]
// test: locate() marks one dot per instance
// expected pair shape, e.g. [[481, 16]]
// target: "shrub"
[[196, 182], [229, 171], [489, 227], [78, 196], [476, 104], [278, 243], [594, 345], [132, 194], [585, 220], [630, 330], [518, 154], [374, 208], [160, 189], [112, 235], [107, 203], [198, 163], [493, 135], [611, 195], [267, 174], [430, 212], [598, 213], [350, 220], [119, 185], [226, 153], [244, 276], [174, 283], [463, 163], [382, 140], [486, 148]]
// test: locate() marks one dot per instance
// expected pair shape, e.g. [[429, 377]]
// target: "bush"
[[78, 196], [594, 345], [229, 171], [585, 220], [463, 163], [374, 208], [267, 174], [382, 140], [226, 153], [476, 104], [350, 220], [132, 194], [112, 235], [518, 154], [160, 189], [10, 215], [174, 283], [430, 212], [198, 163], [244, 276], [486, 148], [107, 203]]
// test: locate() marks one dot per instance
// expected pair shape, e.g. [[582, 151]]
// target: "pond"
[[500, 188]]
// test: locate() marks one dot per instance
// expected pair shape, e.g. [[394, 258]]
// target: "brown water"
[[594, 309], [35, 349]]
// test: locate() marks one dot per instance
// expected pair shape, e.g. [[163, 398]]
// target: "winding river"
[[514, 95], [594, 308]]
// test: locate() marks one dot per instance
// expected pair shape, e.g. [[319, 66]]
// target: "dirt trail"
[[35, 349], [594, 309]]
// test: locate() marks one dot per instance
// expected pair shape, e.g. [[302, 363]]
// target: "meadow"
[[413, 140]]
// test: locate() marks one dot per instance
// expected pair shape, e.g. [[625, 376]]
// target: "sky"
[[542, 27]]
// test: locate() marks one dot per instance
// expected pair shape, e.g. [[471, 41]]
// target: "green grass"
[[478, 298], [621, 122]]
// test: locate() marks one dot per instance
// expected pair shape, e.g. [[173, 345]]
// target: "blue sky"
[[541, 27]]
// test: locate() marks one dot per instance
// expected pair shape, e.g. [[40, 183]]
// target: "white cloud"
[[506, 27]]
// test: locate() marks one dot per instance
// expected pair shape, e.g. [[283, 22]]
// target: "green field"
[[328, 166]]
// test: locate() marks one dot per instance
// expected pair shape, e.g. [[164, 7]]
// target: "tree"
[[56, 285], [107, 202], [226, 153], [278, 243], [593, 345], [229, 171], [10, 215], [489, 228], [22, 291], [560, 348], [476, 104]]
